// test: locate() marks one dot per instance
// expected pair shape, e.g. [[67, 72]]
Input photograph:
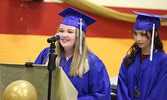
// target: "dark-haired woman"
[[143, 73]]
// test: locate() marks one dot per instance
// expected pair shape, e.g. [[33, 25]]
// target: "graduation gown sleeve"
[[159, 91], [98, 81], [122, 89], [43, 56]]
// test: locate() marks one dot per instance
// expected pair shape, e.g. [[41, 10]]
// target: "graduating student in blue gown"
[[143, 73], [84, 69]]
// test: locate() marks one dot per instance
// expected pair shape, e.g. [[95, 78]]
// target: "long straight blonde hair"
[[79, 65]]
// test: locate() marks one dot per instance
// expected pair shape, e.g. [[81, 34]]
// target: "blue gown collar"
[[64, 57]]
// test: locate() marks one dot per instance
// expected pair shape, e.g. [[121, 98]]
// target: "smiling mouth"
[[65, 40]]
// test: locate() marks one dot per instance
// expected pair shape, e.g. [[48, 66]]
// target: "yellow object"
[[20, 90]]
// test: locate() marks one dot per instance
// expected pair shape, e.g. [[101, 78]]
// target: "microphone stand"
[[51, 66]]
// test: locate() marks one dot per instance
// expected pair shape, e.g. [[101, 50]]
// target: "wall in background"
[[25, 27]]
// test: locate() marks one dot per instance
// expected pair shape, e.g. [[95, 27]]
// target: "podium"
[[62, 88]]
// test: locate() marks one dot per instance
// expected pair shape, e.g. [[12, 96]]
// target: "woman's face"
[[142, 39], [68, 34]]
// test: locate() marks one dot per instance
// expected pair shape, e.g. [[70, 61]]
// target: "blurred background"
[[25, 26]]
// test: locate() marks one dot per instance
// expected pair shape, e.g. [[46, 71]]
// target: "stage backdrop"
[[26, 25]]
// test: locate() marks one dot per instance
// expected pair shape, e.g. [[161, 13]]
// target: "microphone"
[[55, 38]]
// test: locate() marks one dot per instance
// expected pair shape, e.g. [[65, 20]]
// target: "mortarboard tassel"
[[152, 43], [80, 37]]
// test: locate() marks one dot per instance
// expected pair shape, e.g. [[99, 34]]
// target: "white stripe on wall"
[[146, 4]]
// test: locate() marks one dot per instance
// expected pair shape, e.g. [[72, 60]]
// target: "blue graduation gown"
[[149, 76], [94, 85]]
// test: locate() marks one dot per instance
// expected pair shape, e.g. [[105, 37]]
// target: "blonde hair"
[[79, 65]]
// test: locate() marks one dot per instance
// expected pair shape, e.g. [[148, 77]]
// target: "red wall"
[[41, 18]]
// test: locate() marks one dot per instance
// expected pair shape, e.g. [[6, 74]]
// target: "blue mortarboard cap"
[[77, 19], [72, 17], [145, 21]]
